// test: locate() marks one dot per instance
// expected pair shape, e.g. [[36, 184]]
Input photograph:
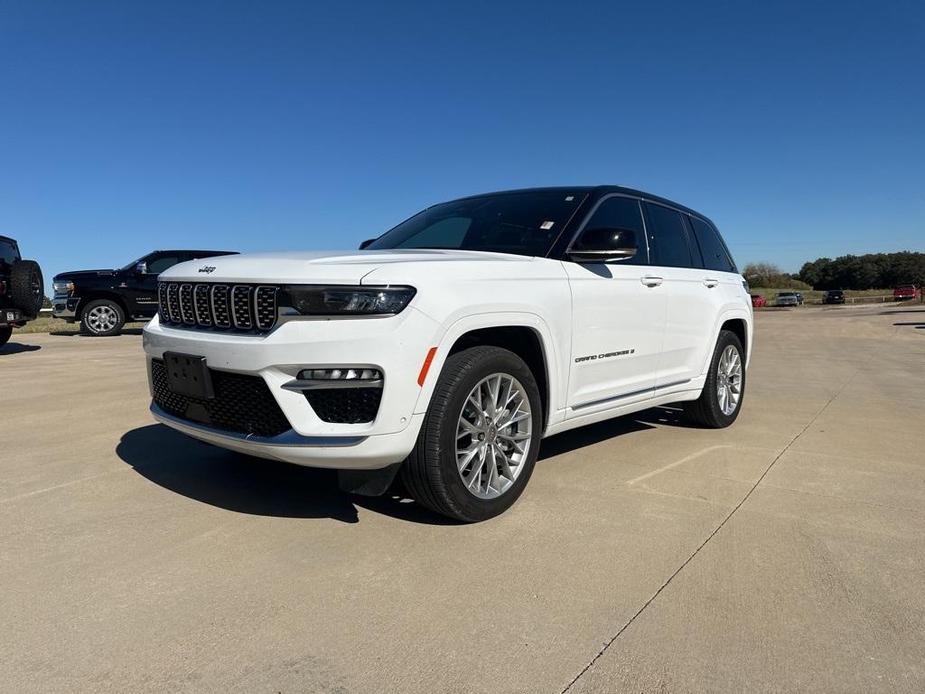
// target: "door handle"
[[651, 280], [710, 282]]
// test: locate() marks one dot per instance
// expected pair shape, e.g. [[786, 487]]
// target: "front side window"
[[161, 262], [715, 255], [520, 223], [668, 245], [620, 213]]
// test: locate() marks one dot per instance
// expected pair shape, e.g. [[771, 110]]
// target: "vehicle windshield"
[[520, 223]]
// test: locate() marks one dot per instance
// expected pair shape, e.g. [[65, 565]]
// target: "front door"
[[141, 288], [618, 320]]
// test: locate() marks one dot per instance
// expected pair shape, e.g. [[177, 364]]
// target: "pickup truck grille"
[[239, 307]]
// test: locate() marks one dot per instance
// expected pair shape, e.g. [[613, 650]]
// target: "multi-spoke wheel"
[[721, 399], [102, 317], [478, 443], [493, 435]]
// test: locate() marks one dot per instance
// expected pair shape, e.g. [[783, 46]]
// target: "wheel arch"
[[89, 297], [527, 335]]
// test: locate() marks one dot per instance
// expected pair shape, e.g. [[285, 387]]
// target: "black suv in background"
[[103, 300], [22, 289], [834, 296]]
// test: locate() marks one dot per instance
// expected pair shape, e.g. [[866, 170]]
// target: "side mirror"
[[141, 268], [602, 245], [366, 243]]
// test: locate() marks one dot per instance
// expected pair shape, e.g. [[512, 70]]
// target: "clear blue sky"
[[125, 126]]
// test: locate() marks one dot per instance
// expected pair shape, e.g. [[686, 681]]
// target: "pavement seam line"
[[719, 527]]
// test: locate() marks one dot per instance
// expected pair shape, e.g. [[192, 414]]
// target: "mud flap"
[[367, 482]]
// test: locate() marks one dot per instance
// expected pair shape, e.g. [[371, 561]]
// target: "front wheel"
[[102, 318], [719, 404], [479, 440], [6, 332]]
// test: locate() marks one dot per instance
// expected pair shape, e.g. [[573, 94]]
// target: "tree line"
[[870, 271]]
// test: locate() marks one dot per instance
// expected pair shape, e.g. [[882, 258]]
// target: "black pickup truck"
[[103, 300], [22, 290]]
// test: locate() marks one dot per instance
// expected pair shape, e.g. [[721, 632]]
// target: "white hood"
[[321, 267]]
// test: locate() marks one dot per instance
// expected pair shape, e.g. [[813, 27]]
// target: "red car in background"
[[906, 292], [758, 301]]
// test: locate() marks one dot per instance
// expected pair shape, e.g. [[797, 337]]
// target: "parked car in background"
[[449, 347], [103, 300], [906, 292], [22, 289], [834, 296], [787, 299], [758, 301]]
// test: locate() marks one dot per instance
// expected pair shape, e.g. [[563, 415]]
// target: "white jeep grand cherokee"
[[448, 347]]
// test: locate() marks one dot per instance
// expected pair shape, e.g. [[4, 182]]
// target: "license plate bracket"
[[187, 374]]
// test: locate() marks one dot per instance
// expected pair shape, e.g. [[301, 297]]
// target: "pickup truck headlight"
[[312, 300], [62, 288]]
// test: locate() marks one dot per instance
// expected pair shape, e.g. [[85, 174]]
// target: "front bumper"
[[65, 307], [395, 345]]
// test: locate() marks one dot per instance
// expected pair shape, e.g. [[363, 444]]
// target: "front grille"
[[238, 307], [345, 405], [242, 404]]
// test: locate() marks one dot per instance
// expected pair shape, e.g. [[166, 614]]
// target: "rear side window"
[[712, 248], [668, 244], [621, 213], [8, 252]]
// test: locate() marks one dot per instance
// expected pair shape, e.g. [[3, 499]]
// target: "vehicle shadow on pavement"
[[18, 347], [251, 485]]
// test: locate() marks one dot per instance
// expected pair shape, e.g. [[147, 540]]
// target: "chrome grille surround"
[[242, 308]]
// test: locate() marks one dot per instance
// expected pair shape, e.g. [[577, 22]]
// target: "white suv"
[[448, 347]]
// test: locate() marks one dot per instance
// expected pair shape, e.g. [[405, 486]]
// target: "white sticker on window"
[[546, 226], [569, 198]]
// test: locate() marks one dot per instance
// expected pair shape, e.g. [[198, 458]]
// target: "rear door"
[[693, 301], [617, 319]]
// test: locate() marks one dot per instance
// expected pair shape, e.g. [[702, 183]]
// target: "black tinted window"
[[667, 238], [523, 223], [161, 263], [619, 213], [714, 252], [8, 252]]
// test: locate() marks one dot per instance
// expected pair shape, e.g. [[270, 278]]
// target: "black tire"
[[90, 326], [430, 473], [6, 331], [27, 287], [706, 410]]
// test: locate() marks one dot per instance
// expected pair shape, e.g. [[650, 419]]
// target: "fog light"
[[342, 374]]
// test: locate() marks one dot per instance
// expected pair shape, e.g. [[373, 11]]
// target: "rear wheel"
[[102, 318], [6, 331], [478, 443], [719, 404]]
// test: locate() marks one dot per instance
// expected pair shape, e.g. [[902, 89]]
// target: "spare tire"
[[27, 288]]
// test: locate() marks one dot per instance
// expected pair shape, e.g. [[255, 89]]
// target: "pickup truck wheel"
[[721, 399], [6, 331], [480, 437], [102, 318], [27, 288]]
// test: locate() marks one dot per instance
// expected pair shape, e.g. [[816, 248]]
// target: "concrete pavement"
[[786, 553]]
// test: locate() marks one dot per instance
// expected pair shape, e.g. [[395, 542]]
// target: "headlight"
[[63, 287], [346, 301]]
